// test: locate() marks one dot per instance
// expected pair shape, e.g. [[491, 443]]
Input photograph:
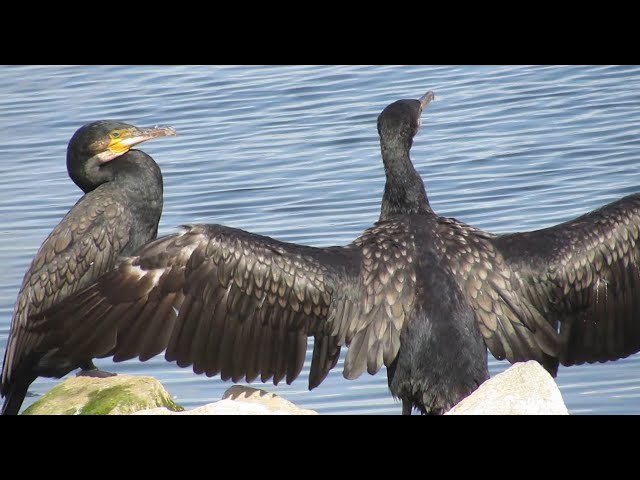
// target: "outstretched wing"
[[231, 302], [569, 293], [583, 276], [84, 245], [512, 326]]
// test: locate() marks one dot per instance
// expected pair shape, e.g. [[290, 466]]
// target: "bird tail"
[[14, 396]]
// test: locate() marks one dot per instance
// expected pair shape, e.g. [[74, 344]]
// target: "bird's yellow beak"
[[122, 140]]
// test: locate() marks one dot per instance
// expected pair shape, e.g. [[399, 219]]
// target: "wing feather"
[[243, 305], [582, 275]]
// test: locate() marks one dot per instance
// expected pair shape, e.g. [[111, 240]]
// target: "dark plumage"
[[119, 212], [422, 294]]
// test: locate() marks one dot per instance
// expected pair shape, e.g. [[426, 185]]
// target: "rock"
[[120, 394], [522, 389], [242, 393], [241, 400]]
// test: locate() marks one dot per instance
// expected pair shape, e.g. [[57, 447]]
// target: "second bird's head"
[[401, 120]]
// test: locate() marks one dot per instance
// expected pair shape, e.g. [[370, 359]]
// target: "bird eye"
[[114, 135]]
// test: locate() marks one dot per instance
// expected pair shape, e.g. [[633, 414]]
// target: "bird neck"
[[138, 174], [404, 191], [87, 174], [134, 169]]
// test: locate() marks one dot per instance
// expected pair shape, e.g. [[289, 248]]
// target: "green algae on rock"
[[117, 395]]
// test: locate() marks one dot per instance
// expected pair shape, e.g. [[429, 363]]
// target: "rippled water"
[[292, 152]]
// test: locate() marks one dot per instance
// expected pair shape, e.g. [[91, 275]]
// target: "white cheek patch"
[[107, 155]]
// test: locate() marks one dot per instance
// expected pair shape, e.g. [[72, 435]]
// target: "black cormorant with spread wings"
[[422, 294]]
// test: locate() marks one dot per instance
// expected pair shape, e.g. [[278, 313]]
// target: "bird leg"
[[89, 369], [406, 407]]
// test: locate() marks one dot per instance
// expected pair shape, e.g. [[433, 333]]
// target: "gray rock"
[[240, 400], [522, 389], [117, 395]]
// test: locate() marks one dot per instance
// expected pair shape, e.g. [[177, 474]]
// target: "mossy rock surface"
[[118, 395]]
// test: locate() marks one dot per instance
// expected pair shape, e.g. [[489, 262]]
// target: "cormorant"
[[424, 295], [119, 212]]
